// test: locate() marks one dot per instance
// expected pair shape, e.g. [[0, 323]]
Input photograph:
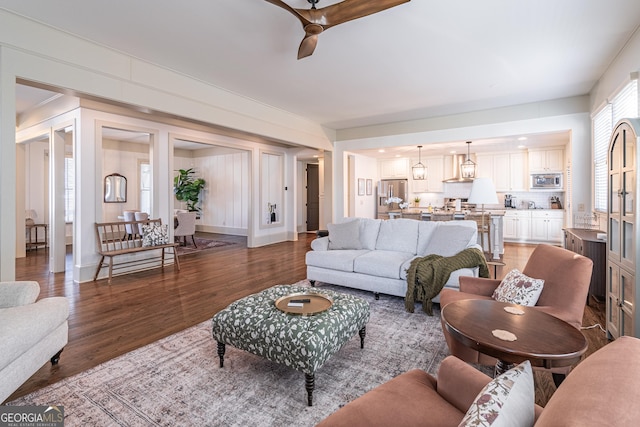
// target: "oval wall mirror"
[[115, 188]]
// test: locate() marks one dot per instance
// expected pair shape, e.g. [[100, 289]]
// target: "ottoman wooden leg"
[[309, 384], [363, 333], [221, 349]]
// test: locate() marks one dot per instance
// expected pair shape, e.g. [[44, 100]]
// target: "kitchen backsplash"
[[540, 199]]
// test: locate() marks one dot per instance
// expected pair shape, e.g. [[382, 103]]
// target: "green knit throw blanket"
[[427, 275]]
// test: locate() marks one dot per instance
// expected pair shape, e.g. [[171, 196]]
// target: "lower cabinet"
[[620, 301], [517, 226], [546, 226], [533, 225]]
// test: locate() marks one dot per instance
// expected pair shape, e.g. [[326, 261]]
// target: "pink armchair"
[[566, 283]]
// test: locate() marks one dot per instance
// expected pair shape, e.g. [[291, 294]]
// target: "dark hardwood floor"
[[139, 308]]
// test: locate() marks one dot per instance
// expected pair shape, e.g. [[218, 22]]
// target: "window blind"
[[623, 105]]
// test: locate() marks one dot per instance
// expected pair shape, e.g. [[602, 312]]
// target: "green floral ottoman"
[[304, 343]]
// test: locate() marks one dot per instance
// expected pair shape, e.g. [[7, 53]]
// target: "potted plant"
[[187, 188], [416, 201]]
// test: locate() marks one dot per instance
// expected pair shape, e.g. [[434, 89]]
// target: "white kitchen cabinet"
[[394, 168], [517, 225], [435, 176], [546, 226], [547, 160], [518, 171], [506, 170]]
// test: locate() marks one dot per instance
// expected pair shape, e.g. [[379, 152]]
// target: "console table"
[[585, 242], [34, 244]]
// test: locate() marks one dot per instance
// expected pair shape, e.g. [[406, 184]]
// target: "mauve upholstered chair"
[[566, 275]]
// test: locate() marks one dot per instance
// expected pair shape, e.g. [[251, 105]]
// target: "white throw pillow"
[[345, 235], [508, 400], [518, 288]]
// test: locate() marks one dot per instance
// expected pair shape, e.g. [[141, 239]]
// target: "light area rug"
[[177, 380]]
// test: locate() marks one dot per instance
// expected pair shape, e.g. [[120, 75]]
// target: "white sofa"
[[374, 255], [31, 332]]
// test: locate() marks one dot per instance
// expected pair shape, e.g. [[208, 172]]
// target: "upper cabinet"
[[546, 160], [507, 170], [435, 176], [394, 168]]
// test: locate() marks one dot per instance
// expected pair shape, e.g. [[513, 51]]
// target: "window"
[[624, 104], [69, 189], [145, 187]]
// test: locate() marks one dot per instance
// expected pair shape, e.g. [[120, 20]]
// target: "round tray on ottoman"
[[256, 325], [304, 303]]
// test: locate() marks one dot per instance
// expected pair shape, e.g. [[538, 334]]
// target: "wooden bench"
[[122, 238]]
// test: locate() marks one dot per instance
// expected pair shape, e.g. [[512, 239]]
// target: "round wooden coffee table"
[[544, 340]]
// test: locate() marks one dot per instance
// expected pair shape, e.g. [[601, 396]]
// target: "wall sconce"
[[419, 170], [468, 167]]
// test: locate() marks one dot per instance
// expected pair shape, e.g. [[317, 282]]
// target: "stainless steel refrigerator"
[[390, 188]]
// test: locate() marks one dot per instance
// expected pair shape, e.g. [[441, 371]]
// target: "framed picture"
[[360, 186], [369, 187]]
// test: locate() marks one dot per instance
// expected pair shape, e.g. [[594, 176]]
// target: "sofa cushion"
[[382, 263], [399, 235], [425, 231], [344, 235], [341, 260], [449, 238], [369, 229], [518, 288], [21, 328], [508, 400]]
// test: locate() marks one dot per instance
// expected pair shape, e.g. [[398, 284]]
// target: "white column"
[[7, 172]]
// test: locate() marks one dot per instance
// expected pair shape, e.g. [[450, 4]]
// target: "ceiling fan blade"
[[310, 40], [301, 14], [349, 10], [307, 46]]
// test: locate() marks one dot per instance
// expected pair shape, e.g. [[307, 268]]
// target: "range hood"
[[458, 159]]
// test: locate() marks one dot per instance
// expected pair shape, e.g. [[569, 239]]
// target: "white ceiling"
[[420, 59]]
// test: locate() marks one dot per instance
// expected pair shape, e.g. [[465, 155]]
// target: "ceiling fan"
[[314, 21]]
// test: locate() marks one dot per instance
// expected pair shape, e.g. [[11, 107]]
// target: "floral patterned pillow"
[[508, 400], [154, 235], [518, 288]]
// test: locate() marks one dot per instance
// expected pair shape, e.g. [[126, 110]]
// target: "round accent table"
[[544, 340]]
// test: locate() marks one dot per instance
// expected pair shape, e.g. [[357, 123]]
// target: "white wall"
[[123, 158], [365, 168]]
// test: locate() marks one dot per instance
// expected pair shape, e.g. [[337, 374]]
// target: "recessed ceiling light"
[[315, 156], [522, 138], [452, 152], [397, 155], [381, 150], [522, 146]]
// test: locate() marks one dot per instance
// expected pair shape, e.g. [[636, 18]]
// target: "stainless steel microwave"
[[546, 181]]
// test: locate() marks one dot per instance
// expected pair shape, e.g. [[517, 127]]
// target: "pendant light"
[[468, 167], [419, 170]]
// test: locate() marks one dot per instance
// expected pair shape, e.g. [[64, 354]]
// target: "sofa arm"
[[320, 244], [478, 285], [14, 294], [459, 383]]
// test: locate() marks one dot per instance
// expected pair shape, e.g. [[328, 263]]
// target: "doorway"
[[313, 197]]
